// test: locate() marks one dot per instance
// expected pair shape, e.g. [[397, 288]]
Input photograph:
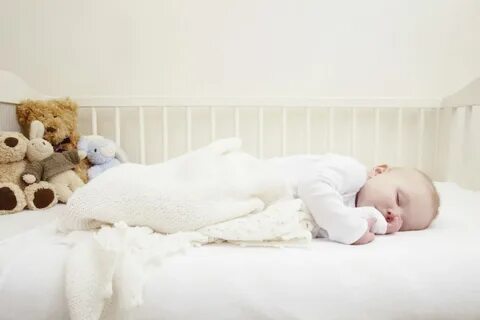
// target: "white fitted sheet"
[[432, 274], [13, 224]]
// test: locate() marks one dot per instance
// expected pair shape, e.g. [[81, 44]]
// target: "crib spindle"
[[284, 131], [188, 120], [165, 133], [421, 131], [331, 129], [213, 124], [117, 126], [377, 136], [308, 130], [353, 133], [260, 132], [436, 140], [141, 127], [468, 146], [94, 121], [399, 136], [237, 122]]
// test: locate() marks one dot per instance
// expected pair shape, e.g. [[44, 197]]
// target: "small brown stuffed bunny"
[[55, 168]]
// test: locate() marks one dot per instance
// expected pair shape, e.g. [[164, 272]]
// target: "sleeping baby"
[[350, 205]]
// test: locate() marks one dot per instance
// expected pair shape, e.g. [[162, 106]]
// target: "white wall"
[[249, 48]]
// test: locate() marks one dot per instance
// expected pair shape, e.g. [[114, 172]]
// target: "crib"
[[433, 136], [440, 137]]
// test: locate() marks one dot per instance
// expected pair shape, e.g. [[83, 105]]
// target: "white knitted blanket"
[[216, 193]]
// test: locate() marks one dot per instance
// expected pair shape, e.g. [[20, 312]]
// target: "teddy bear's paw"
[[41, 195], [12, 198]]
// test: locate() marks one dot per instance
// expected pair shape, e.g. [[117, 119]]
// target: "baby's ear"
[[378, 170]]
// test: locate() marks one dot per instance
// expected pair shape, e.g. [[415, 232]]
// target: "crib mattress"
[[433, 274], [13, 224]]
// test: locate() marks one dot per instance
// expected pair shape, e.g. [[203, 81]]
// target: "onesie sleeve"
[[380, 226], [322, 193]]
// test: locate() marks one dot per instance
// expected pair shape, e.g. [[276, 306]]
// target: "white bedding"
[[432, 274], [13, 224]]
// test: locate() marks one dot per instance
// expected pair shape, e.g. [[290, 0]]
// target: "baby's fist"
[[367, 236], [394, 224]]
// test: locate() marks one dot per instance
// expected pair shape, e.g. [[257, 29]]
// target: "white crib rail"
[[444, 142], [141, 148]]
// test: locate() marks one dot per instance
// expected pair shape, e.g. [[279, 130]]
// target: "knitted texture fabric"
[[216, 193]]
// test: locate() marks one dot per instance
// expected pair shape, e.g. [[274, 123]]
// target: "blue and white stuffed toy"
[[102, 153]]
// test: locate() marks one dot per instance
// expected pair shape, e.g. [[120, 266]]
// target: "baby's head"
[[404, 192]]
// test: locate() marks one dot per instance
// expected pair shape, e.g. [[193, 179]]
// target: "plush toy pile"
[[59, 117], [15, 195], [54, 167]]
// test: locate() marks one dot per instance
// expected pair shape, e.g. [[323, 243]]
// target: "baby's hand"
[[394, 224], [367, 236]]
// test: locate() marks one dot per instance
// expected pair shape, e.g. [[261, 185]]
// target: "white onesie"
[[328, 185]]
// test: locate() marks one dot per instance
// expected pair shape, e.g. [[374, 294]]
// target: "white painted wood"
[[460, 138], [94, 120], [188, 119], [353, 133], [284, 131], [376, 149], [399, 136], [14, 89], [237, 122], [437, 137], [308, 126], [118, 134], [141, 126], [337, 102], [260, 133], [421, 131], [331, 129], [213, 124], [165, 133]]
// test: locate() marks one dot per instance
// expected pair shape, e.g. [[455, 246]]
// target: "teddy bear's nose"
[[11, 142], [51, 129]]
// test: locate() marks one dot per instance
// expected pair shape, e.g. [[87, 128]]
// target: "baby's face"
[[400, 192]]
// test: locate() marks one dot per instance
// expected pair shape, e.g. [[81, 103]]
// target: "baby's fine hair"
[[434, 193], [435, 197]]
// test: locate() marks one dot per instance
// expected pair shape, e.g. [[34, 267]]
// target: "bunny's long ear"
[[83, 143], [121, 155], [37, 129]]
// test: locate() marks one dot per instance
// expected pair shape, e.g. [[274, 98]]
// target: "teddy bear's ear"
[[37, 130], [121, 155], [23, 112], [68, 104]]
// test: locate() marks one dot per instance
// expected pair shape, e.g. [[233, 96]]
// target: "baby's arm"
[[321, 194]]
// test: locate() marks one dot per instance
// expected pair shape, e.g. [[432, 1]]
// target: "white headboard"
[[398, 131]]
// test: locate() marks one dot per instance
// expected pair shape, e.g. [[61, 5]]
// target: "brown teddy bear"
[[14, 196], [59, 116]]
